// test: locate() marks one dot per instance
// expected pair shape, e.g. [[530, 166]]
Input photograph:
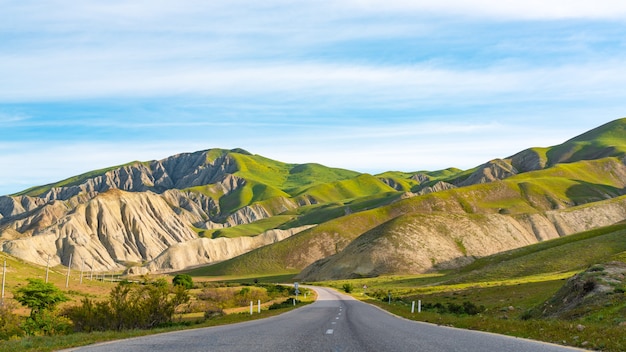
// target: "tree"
[[183, 280], [42, 298], [39, 296]]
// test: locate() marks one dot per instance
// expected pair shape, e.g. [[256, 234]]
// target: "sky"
[[364, 85]]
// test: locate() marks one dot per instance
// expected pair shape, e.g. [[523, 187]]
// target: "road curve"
[[336, 323]]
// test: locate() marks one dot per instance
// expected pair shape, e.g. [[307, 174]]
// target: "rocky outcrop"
[[14, 206], [527, 160], [392, 183], [174, 173], [421, 177], [437, 187], [118, 228], [585, 292], [180, 171], [497, 169], [40, 218], [112, 229], [202, 251]]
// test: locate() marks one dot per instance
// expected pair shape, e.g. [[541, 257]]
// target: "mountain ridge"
[[133, 213]]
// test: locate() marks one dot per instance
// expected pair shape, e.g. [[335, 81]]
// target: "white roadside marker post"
[[419, 306], [259, 308], [250, 307], [413, 307]]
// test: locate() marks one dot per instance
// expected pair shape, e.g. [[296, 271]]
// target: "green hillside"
[[562, 186], [561, 255], [606, 140]]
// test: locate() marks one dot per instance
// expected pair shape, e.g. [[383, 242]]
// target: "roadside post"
[[4, 279], [413, 307], [251, 307], [82, 267], [419, 306], [259, 308], [295, 285], [47, 268], [69, 268]]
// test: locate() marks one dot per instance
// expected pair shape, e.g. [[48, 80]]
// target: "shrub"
[[274, 291], [183, 280], [466, 307], [48, 323], [42, 298], [285, 304], [130, 306], [347, 287], [213, 312], [9, 323], [470, 308]]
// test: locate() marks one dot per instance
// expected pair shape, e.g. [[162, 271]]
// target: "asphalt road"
[[335, 323]]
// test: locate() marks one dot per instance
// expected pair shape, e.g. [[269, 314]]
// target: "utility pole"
[[91, 275], [67, 279], [4, 276], [82, 266], [47, 268]]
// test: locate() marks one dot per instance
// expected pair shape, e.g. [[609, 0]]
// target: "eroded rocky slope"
[[419, 242]]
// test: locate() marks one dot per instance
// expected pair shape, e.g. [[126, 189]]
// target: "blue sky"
[[358, 84]]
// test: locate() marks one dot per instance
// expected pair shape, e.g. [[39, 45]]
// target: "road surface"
[[335, 323]]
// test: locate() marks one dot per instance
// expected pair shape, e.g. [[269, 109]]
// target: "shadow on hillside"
[[587, 192]]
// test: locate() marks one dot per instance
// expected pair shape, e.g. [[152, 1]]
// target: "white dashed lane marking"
[[329, 332]]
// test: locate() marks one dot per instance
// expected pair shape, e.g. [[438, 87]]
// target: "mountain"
[[457, 224], [256, 215], [132, 213]]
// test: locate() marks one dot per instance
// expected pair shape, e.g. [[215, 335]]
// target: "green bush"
[[9, 323], [39, 296], [348, 287], [285, 304], [130, 306], [467, 308], [183, 280], [42, 298], [274, 291], [47, 323]]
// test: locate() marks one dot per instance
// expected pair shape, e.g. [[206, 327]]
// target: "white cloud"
[[505, 9], [9, 118], [64, 78]]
